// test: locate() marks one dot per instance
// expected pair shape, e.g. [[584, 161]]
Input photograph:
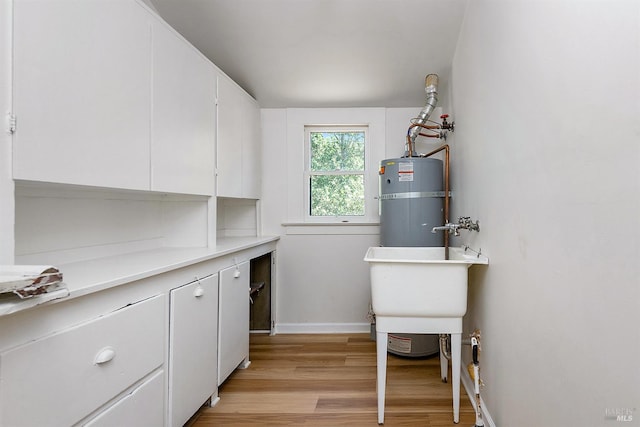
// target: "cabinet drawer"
[[140, 408], [59, 379]]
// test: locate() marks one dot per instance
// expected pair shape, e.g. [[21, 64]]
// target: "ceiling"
[[324, 53]]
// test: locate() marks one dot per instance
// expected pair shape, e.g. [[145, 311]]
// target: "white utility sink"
[[419, 282], [415, 290]]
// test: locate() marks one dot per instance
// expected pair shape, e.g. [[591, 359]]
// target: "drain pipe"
[[445, 348]]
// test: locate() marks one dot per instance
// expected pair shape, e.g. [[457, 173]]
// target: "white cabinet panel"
[[75, 371], [238, 142], [82, 92], [193, 347], [233, 326], [229, 141], [252, 152], [184, 116], [141, 406]]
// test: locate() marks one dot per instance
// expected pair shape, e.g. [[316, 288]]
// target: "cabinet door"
[[233, 330], [230, 134], [252, 151], [193, 335], [184, 116], [82, 92]]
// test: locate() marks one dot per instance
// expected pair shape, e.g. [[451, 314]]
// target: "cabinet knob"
[[105, 355], [198, 292]]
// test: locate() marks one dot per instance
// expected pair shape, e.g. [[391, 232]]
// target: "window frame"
[[368, 198]]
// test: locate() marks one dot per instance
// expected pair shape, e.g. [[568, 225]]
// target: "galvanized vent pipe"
[[431, 88]]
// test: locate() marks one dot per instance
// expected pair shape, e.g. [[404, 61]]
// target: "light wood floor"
[[330, 380]]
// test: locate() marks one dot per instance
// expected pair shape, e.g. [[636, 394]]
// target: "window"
[[335, 172]]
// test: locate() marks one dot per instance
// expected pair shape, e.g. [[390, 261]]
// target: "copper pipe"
[[415, 125], [429, 136], [409, 149], [446, 193], [446, 180]]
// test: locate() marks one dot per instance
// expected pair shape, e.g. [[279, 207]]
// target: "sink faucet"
[[450, 227], [464, 222]]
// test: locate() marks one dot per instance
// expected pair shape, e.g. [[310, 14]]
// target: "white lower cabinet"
[[140, 406], [148, 352], [192, 347], [233, 337], [73, 372]]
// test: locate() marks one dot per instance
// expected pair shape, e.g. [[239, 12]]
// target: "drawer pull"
[[105, 355], [198, 292]]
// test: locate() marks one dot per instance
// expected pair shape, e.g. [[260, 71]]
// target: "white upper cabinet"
[[184, 116], [81, 86], [252, 152], [229, 141], [238, 142], [106, 94]]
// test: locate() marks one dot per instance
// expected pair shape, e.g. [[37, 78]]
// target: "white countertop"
[[85, 277]]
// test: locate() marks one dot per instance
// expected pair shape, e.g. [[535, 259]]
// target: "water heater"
[[411, 204]]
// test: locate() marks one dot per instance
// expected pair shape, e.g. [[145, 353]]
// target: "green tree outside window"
[[336, 173]]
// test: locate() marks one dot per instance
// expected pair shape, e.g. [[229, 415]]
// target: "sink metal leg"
[[456, 347], [381, 355]]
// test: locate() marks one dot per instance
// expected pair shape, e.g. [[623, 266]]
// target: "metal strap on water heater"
[[413, 195]]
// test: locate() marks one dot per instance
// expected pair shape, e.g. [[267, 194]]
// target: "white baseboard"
[[322, 328], [467, 383]]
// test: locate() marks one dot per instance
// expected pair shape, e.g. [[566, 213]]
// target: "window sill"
[[328, 228]]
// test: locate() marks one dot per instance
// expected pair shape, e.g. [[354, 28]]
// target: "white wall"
[[546, 98], [323, 282], [236, 217], [59, 224], [298, 118], [6, 182]]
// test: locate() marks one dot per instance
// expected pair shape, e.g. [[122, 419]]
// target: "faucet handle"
[[466, 223]]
